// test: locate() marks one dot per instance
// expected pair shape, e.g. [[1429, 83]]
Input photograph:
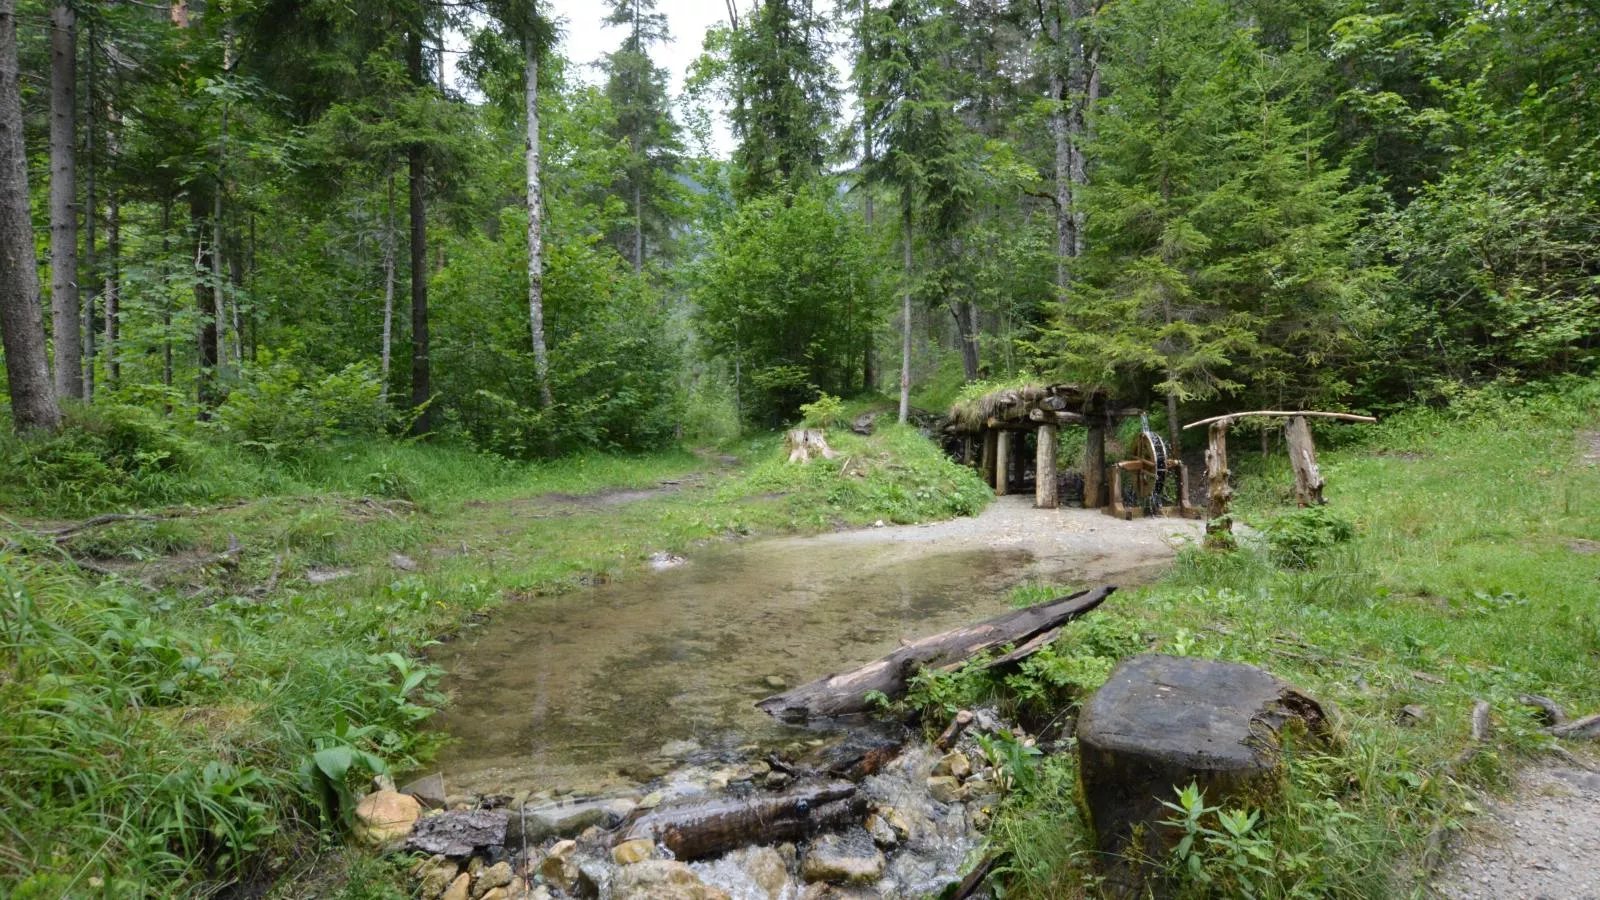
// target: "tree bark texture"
[[1308, 481], [113, 291], [206, 338], [389, 246], [64, 310], [33, 397], [991, 448], [421, 389], [905, 312], [844, 693], [1094, 463], [541, 363], [703, 828], [91, 211], [1045, 487], [1219, 525], [1002, 462]]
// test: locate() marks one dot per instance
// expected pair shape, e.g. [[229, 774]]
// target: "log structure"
[[845, 693], [1308, 481], [997, 417], [699, 829]]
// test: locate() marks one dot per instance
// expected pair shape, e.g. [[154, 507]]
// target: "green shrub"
[[104, 455], [278, 408], [1298, 539], [827, 411]]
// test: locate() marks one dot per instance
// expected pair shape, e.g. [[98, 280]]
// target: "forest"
[[274, 267]]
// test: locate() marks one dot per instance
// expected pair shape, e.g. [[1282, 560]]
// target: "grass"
[[1466, 579], [205, 717]]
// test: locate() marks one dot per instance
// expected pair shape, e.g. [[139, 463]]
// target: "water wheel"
[[1145, 480]]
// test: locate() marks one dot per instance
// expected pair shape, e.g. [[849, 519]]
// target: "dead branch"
[[1587, 727], [1553, 714]]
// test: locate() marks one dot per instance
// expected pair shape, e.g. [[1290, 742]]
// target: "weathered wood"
[[966, 450], [1219, 525], [1002, 463], [953, 731], [1044, 473], [1282, 413], [1094, 465], [1552, 713], [803, 443], [1586, 727], [1057, 418], [844, 693], [711, 827], [991, 440], [1303, 458]]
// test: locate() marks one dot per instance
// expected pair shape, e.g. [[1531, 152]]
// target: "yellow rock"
[[383, 817], [458, 889], [633, 851]]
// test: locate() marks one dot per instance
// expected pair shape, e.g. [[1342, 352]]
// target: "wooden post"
[[990, 448], [1044, 470], [1303, 457], [966, 450], [1094, 463], [1002, 463], [1219, 525]]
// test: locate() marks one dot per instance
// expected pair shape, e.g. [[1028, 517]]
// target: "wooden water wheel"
[[1141, 485]]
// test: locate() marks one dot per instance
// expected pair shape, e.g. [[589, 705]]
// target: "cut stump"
[[1162, 722]]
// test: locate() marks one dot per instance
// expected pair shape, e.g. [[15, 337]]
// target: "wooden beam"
[[1230, 417], [1046, 417], [1002, 463], [1308, 481], [1044, 473], [990, 439], [1219, 525], [1094, 465]]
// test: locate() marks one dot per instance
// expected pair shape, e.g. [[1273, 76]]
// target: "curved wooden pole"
[[1348, 417]]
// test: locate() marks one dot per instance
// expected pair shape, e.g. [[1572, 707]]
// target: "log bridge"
[[988, 428], [1308, 481]]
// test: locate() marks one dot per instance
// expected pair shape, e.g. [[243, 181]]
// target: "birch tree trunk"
[[63, 201], [33, 397], [388, 291], [541, 364]]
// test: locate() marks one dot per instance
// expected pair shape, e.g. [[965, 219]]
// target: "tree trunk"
[[389, 242], [206, 338], [1094, 461], [1002, 462], [1066, 237], [541, 363], [991, 448], [965, 315], [1083, 84], [166, 299], [844, 693], [1219, 525], [702, 828], [638, 227], [421, 390], [1308, 481], [1174, 433], [1044, 470], [113, 291], [64, 310], [91, 211], [33, 397], [905, 313]]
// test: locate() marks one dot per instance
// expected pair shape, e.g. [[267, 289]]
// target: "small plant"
[[827, 411], [1298, 539], [1220, 852]]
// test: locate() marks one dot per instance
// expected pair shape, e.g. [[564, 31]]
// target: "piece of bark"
[[1027, 649], [712, 827], [844, 693], [952, 732], [1552, 713], [1308, 481], [1586, 727]]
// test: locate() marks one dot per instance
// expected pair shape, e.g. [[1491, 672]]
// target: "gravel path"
[[1543, 843]]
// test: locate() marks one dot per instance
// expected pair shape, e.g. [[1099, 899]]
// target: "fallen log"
[[1550, 711], [1586, 727], [712, 827], [844, 693]]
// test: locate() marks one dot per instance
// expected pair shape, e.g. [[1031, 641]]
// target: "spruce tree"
[[637, 89], [784, 100]]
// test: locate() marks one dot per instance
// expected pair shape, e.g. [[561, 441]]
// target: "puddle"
[[563, 694]]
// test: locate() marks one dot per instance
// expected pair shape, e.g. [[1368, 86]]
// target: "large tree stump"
[[803, 443], [1219, 525], [1044, 472], [1303, 457], [1162, 722], [1002, 463], [1094, 464]]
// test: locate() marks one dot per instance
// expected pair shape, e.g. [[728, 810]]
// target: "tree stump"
[[1044, 474], [1162, 722], [1303, 457], [1219, 525], [803, 443]]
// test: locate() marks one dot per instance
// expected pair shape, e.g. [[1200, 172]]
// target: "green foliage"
[[1298, 539], [278, 408], [827, 411], [1220, 852], [787, 292]]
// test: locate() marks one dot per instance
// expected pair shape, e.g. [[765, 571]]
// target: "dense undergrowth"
[[1456, 561], [202, 714]]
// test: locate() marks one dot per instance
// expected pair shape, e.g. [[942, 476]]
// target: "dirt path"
[[1086, 540], [1541, 844]]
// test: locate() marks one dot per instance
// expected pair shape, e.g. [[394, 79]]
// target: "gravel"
[[1542, 843]]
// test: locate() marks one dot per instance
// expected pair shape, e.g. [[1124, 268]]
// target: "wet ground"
[[568, 693]]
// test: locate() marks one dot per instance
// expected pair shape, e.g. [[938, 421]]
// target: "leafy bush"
[[1297, 539], [106, 454], [827, 411], [278, 408]]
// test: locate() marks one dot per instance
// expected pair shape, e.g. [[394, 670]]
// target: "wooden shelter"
[[988, 429]]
